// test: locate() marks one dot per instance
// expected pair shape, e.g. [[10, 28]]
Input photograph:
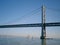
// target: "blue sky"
[[24, 11]]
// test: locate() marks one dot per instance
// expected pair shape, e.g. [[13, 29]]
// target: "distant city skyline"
[[27, 12]]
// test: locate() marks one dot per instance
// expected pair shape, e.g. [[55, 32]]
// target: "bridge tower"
[[43, 33]]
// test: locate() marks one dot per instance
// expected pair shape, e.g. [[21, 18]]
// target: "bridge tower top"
[[43, 13]]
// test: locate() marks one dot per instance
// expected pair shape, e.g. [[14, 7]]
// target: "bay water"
[[28, 41]]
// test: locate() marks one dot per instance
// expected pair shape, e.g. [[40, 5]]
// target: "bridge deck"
[[30, 25]]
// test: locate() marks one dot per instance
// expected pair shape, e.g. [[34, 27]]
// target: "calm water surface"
[[25, 41]]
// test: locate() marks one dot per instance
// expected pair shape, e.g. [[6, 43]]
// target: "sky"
[[27, 12]]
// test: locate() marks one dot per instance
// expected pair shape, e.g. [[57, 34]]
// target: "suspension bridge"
[[43, 25]]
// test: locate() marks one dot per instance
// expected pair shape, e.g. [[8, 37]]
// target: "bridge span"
[[30, 25], [43, 24]]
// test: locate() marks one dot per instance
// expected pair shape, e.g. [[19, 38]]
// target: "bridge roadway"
[[30, 25]]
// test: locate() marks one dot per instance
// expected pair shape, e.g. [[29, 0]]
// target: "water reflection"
[[43, 41]]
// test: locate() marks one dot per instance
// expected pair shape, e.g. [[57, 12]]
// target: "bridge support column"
[[43, 33]]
